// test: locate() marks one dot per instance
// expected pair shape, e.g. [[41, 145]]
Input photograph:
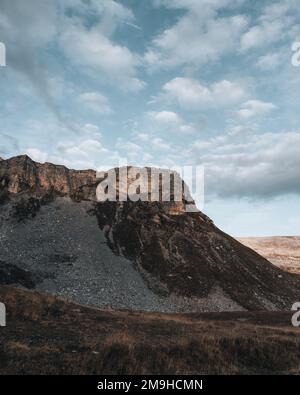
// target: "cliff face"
[[21, 174], [174, 252]]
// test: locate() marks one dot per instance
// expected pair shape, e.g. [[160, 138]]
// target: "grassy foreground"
[[47, 335]]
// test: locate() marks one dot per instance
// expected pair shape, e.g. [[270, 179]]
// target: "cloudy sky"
[[163, 83]]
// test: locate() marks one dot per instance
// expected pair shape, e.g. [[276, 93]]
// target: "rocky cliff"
[[145, 255], [22, 175]]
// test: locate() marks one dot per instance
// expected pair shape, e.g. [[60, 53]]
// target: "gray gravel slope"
[[66, 253]]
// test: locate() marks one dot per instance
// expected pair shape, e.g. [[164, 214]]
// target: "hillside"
[[55, 237], [47, 335]]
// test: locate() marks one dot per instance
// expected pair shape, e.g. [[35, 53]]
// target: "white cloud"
[[110, 14], [160, 144], [255, 108], [170, 121], [84, 31], [111, 62], [206, 6], [269, 61], [200, 35], [147, 157], [261, 35], [129, 149], [84, 148], [89, 42], [226, 92], [72, 161], [191, 94], [187, 92], [165, 117], [94, 130], [17, 17], [37, 155], [251, 165], [61, 130], [141, 136], [274, 24], [91, 145], [24, 50], [96, 102]]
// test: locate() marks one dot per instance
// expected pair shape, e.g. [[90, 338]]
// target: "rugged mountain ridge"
[[176, 260], [22, 175]]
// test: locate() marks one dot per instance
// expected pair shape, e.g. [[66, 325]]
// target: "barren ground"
[[48, 335], [283, 252]]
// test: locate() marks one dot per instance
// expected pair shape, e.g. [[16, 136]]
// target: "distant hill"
[[284, 252]]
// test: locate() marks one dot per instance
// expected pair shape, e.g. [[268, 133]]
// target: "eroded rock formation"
[[176, 254]]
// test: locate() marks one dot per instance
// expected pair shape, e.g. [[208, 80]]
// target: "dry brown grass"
[[283, 252], [47, 335]]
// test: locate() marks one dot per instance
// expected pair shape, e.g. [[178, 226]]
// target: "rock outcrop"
[[182, 258], [190, 256], [22, 175]]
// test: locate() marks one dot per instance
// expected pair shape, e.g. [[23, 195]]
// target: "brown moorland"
[[282, 251], [48, 335]]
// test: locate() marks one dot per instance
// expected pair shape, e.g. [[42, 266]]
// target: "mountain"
[[55, 237]]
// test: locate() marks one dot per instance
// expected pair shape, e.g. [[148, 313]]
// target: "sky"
[[162, 83]]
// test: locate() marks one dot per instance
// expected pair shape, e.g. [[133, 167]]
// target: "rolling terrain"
[[48, 335], [283, 252]]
